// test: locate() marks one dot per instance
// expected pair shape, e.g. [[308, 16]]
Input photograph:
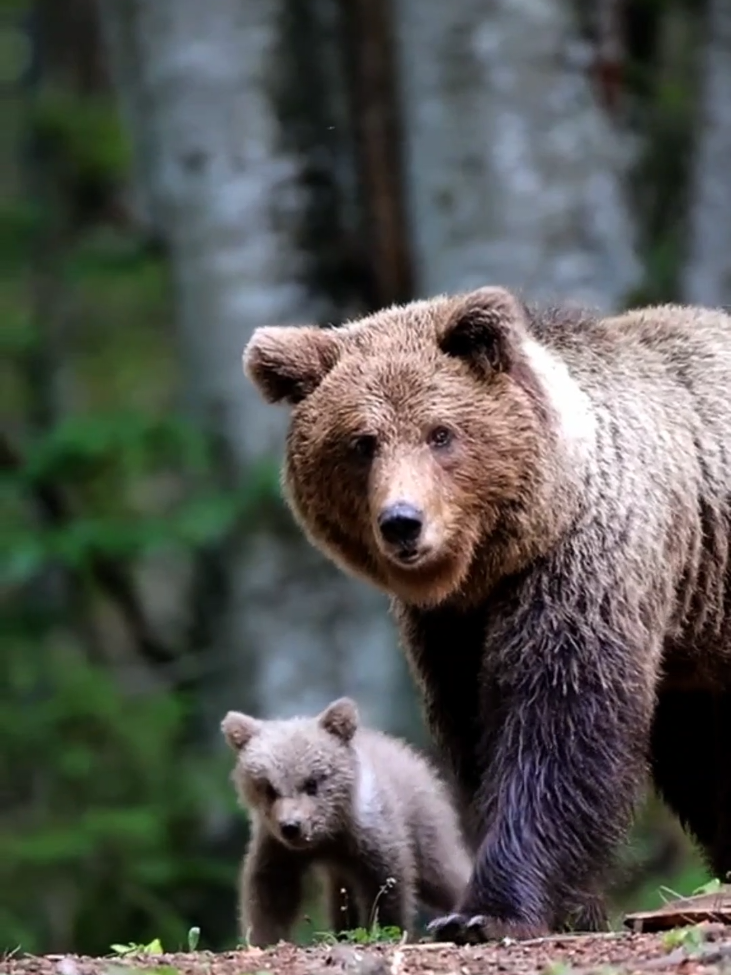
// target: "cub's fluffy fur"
[[365, 808], [547, 496]]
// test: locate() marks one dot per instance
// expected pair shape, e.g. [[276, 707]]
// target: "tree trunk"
[[119, 22], [513, 170], [244, 162], [708, 271]]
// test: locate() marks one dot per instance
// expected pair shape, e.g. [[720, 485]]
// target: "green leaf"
[[26, 557], [712, 887], [122, 949]]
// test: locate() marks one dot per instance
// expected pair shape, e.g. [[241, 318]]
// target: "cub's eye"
[[310, 787], [364, 446], [440, 437], [269, 791]]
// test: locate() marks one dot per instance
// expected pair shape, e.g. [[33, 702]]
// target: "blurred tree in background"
[[179, 174]]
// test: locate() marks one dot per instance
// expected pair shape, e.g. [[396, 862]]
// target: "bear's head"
[[297, 775], [423, 440]]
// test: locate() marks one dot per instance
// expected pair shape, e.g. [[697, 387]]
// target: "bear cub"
[[362, 808]]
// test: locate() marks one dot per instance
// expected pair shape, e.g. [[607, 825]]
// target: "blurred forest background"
[[178, 172]]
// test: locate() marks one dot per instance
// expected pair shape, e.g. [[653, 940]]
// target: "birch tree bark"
[[513, 172], [229, 107], [707, 278]]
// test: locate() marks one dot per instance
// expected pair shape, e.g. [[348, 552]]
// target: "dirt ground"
[[626, 953]]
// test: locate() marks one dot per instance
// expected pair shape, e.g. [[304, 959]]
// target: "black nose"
[[400, 523], [290, 830]]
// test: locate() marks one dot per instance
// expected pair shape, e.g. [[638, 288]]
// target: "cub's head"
[[297, 775], [419, 437]]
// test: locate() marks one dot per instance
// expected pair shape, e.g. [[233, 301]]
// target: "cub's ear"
[[238, 729], [483, 329], [288, 362], [340, 718]]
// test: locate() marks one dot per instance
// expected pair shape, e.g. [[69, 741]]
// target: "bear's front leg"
[[444, 650], [565, 713]]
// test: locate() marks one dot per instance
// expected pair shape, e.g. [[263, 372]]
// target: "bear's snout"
[[291, 829], [400, 525]]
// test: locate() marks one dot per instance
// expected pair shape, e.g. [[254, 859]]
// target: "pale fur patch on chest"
[[571, 404], [367, 804]]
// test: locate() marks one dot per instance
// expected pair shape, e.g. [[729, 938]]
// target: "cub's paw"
[[473, 929]]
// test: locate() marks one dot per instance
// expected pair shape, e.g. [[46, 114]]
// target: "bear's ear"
[[340, 718], [288, 362], [238, 729], [483, 328]]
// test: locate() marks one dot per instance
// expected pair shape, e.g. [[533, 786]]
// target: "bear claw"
[[462, 929]]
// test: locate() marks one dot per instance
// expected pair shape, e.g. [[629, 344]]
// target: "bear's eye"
[[364, 446], [440, 437], [310, 787]]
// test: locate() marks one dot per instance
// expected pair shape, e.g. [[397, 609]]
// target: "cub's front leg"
[[342, 907], [270, 890]]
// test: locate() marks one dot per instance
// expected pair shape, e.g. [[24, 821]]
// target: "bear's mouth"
[[409, 557], [301, 842]]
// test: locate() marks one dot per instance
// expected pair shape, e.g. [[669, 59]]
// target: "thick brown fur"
[[566, 605], [369, 813]]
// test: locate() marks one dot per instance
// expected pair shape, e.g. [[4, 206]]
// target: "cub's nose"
[[290, 829], [400, 523]]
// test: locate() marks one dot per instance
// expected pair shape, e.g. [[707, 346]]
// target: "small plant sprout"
[[365, 936], [389, 885], [194, 935]]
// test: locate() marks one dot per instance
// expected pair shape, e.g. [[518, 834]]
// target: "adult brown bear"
[[547, 496]]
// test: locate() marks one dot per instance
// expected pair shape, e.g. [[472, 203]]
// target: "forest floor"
[[708, 952]]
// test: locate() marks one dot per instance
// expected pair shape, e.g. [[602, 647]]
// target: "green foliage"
[[107, 799], [372, 934], [690, 938], [105, 808], [658, 852], [712, 887], [153, 948], [17, 222], [104, 458], [102, 835], [360, 936], [661, 82], [85, 136]]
